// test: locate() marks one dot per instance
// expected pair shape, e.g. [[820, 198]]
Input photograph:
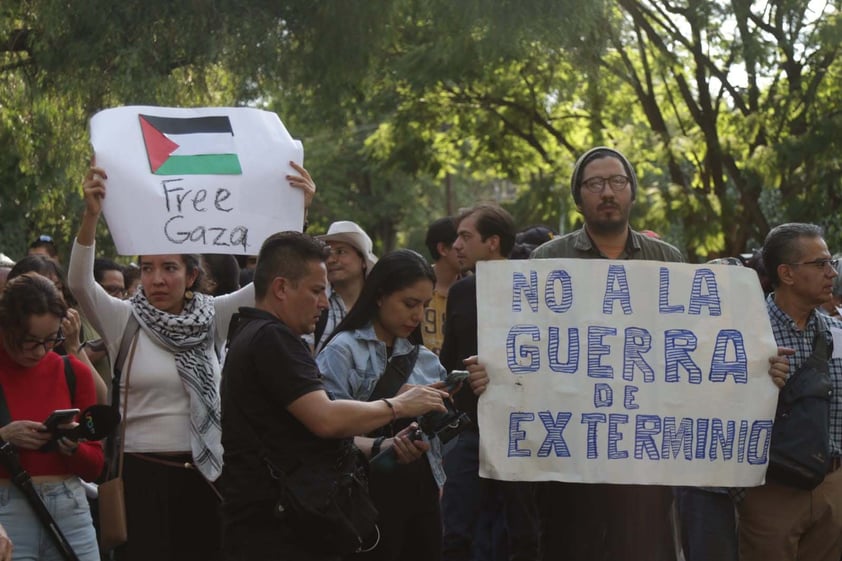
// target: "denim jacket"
[[353, 361]]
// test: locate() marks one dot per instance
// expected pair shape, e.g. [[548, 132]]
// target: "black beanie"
[[595, 154]]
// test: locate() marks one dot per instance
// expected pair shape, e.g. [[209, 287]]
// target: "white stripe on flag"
[[203, 143]]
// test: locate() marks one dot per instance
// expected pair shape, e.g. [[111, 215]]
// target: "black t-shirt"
[[266, 369], [460, 338]]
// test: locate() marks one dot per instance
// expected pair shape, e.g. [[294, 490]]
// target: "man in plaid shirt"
[[778, 522]]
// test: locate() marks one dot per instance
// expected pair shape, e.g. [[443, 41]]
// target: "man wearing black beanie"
[[604, 188], [603, 521]]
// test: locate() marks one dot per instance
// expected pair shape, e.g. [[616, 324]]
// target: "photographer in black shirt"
[[275, 410]]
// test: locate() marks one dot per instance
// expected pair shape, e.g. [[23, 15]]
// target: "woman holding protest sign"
[[372, 356], [168, 388]]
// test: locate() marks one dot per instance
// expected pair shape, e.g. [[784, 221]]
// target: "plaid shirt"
[[787, 334]]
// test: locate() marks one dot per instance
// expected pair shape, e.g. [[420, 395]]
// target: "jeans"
[[708, 525], [68, 505], [485, 519]]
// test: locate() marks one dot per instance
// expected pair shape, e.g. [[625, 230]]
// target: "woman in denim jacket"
[[378, 330]]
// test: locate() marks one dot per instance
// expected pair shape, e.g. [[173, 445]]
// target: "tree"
[[417, 108], [688, 57]]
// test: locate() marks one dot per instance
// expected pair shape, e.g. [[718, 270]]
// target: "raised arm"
[[94, 192], [108, 315]]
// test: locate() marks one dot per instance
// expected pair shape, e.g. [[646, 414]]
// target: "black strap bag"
[[800, 450], [325, 502], [323, 499]]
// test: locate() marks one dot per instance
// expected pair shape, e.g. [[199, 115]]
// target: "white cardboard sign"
[[208, 180], [624, 372]]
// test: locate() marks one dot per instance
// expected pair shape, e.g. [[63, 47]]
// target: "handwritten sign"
[[208, 180], [624, 372]]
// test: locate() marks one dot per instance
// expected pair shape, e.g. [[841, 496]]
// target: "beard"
[[608, 226]]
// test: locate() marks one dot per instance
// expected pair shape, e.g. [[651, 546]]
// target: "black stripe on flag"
[[188, 125]]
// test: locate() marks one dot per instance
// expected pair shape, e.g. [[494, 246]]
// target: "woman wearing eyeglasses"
[[71, 325], [34, 384], [172, 448]]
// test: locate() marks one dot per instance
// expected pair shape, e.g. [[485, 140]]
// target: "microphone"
[[95, 423]]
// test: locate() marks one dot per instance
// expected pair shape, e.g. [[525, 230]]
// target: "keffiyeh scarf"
[[190, 337]]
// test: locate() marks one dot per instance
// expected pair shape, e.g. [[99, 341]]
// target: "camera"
[[445, 425]]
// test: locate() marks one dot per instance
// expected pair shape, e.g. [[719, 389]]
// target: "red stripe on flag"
[[158, 146]]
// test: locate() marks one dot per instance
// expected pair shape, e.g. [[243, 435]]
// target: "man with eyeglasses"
[[350, 260], [109, 275], [604, 187], [780, 522], [833, 308], [602, 521]]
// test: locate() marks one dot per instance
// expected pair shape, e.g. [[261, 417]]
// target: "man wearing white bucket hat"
[[351, 258]]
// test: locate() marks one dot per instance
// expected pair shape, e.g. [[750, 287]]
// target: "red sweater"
[[32, 394]]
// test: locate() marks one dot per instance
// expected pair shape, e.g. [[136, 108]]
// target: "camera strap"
[[23, 482], [397, 372]]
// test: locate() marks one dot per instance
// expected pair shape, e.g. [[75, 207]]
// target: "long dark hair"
[[393, 272]]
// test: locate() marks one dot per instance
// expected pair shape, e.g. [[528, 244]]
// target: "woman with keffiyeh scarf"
[[173, 452]]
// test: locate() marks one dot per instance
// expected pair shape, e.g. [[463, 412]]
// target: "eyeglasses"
[[29, 344], [117, 291], [597, 184], [820, 264]]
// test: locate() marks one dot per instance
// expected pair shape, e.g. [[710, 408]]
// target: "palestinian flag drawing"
[[190, 146]]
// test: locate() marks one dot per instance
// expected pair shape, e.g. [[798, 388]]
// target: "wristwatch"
[[375, 447]]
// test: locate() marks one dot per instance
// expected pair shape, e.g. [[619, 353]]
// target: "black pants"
[[599, 522], [407, 499], [262, 537], [484, 518], [171, 512]]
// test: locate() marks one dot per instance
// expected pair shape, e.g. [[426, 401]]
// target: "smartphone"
[[454, 378], [59, 417]]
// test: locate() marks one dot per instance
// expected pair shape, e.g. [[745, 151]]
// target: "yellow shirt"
[[432, 326]]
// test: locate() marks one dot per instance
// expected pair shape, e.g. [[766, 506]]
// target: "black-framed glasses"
[[29, 344], [597, 184], [820, 264]]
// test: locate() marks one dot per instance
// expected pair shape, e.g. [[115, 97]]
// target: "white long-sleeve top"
[[158, 418]]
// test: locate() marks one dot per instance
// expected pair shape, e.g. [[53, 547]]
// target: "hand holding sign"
[[304, 182], [779, 366], [93, 189]]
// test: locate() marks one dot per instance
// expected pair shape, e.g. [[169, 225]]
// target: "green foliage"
[[411, 109]]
